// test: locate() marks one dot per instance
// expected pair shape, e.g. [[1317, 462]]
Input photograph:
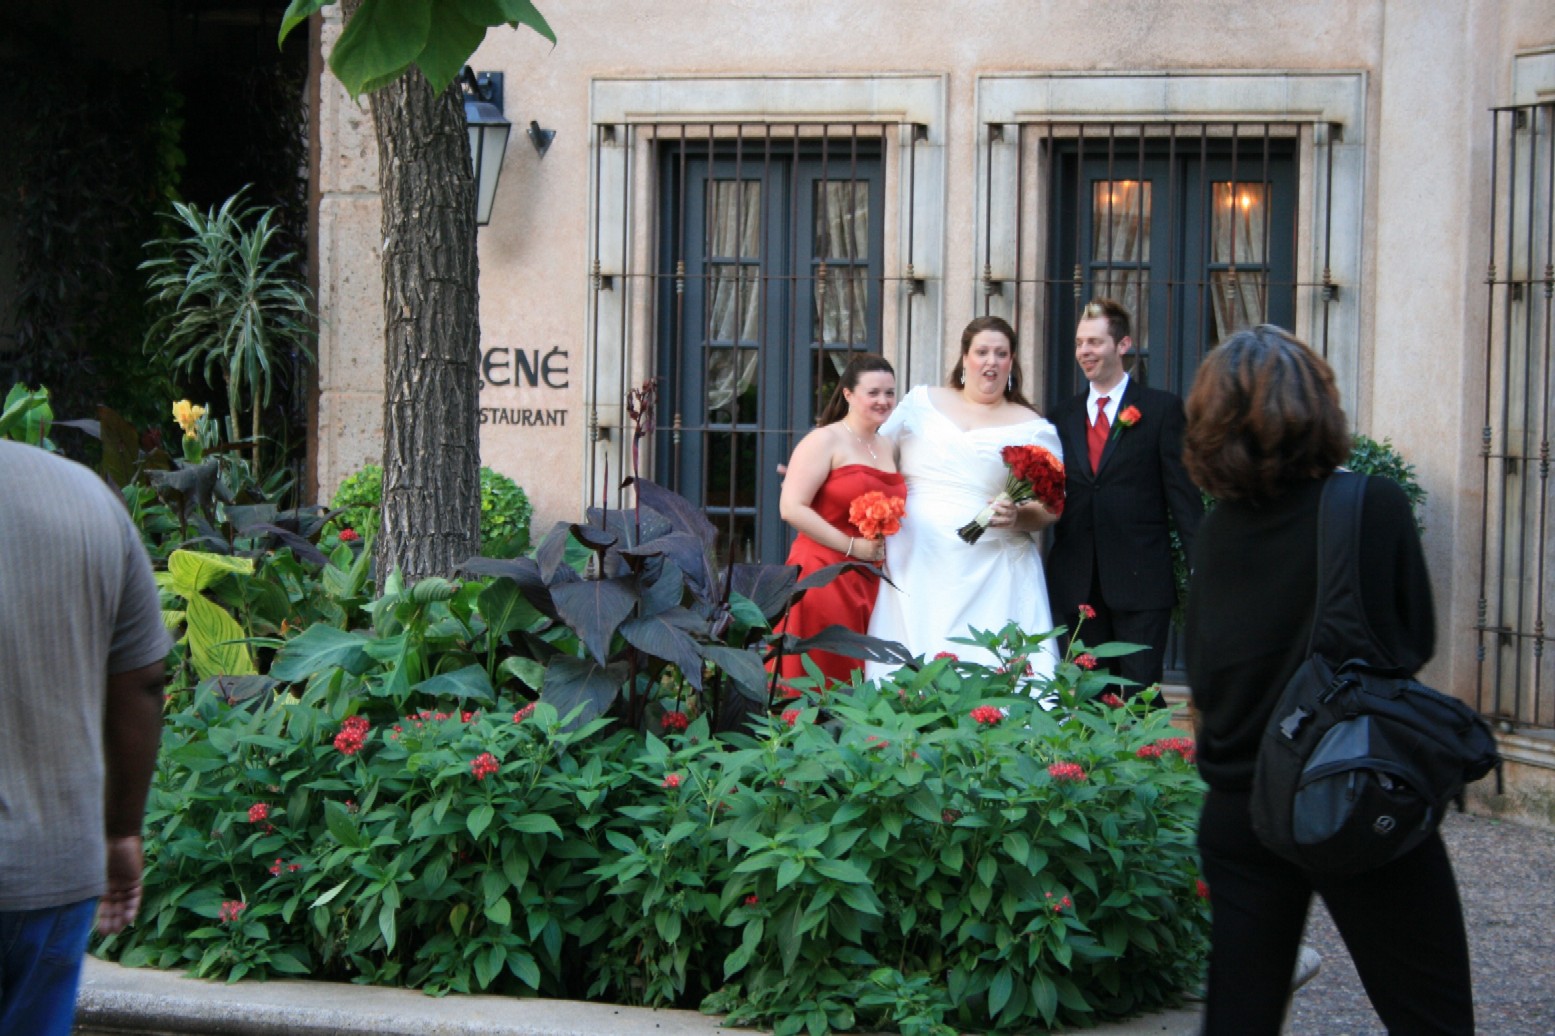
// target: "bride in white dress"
[[948, 441]]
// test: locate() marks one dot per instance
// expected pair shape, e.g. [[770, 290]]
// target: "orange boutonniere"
[[1129, 417]]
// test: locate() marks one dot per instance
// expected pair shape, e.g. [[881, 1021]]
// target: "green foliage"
[[26, 416], [876, 859], [384, 38], [231, 307], [505, 516], [505, 509], [1370, 457]]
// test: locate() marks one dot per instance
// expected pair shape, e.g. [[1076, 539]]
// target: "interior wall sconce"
[[540, 138], [488, 135]]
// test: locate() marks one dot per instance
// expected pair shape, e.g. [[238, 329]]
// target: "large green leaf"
[[504, 608], [193, 570], [381, 40], [215, 641], [321, 647], [297, 12], [453, 38], [522, 12], [467, 684]]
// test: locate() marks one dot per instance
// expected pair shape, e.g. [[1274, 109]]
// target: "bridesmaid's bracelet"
[[849, 554]]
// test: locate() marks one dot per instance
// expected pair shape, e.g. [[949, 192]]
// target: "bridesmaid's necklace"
[[875, 457]]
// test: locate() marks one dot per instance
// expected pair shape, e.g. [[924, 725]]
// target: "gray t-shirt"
[[77, 602]]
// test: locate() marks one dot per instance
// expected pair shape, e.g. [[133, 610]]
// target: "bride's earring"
[[961, 376], [1012, 383]]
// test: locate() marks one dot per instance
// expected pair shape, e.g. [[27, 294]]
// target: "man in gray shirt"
[[82, 645]]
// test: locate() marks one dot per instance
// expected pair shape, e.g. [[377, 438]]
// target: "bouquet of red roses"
[[1035, 474]]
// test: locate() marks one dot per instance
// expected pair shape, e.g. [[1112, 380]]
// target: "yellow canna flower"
[[188, 416]]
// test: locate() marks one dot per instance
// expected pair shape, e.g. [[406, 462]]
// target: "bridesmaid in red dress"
[[842, 459]]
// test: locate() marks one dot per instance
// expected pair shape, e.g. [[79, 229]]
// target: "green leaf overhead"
[[381, 40], [386, 37], [453, 37]]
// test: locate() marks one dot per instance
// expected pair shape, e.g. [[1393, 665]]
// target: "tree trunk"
[[431, 445]]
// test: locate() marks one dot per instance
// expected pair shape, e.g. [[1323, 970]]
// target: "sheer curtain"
[[1120, 245], [1240, 212], [733, 293], [842, 242]]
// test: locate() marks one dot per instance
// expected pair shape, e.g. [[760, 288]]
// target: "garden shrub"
[[505, 509], [935, 854]]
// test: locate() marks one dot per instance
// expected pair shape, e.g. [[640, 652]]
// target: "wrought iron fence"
[[1517, 573]]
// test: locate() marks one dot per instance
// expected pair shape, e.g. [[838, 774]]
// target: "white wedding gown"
[[945, 586]]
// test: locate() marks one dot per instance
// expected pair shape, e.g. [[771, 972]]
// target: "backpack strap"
[[1341, 631]]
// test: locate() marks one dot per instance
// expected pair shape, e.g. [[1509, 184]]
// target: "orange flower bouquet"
[[875, 514], [1035, 474]]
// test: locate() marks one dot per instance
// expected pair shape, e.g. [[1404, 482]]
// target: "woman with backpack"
[[1265, 431]]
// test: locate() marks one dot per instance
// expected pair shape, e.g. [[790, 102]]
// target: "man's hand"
[[121, 902]]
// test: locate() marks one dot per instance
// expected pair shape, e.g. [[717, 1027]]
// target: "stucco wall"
[[1431, 72]]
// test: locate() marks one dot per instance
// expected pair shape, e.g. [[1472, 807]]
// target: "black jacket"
[[1116, 517]]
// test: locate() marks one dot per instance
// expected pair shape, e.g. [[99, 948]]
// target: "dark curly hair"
[[1263, 415]]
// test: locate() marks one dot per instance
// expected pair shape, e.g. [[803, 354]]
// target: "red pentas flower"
[[671, 780], [987, 715], [1087, 611], [1086, 661], [1066, 772], [258, 813], [675, 722], [484, 765], [947, 654], [1183, 746], [1111, 699], [353, 735], [349, 535], [790, 716], [231, 910], [752, 900], [1201, 888], [524, 713]]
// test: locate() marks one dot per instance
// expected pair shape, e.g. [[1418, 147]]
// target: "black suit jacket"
[[1116, 516]]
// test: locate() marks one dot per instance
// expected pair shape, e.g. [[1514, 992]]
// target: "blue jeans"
[[40, 967]]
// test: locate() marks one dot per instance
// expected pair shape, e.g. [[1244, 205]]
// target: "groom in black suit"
[[1124, 474]]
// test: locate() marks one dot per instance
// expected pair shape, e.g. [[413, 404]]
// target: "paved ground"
[[1506, 876]]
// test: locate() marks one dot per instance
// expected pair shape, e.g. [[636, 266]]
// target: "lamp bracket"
[[540, 138], [482, 86]]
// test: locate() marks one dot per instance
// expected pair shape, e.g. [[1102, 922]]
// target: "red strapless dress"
[[849, 599]]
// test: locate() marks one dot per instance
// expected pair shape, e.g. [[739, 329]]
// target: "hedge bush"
[[505, 509]]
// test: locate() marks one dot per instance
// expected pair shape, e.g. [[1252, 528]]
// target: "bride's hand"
[[1004, 514], [872, 550]]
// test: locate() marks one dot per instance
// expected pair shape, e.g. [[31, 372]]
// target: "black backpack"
[[1358, 761]]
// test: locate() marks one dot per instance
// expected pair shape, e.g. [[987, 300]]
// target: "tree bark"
[[431, 391]]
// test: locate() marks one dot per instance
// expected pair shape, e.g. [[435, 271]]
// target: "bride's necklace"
[[873, 456]]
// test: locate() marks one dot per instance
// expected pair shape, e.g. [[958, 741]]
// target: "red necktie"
[[1096, 436]]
